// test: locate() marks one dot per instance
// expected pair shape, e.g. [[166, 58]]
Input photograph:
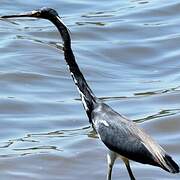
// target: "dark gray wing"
[[126, 138]]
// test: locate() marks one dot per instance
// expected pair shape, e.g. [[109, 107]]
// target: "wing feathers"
[[127, 139]]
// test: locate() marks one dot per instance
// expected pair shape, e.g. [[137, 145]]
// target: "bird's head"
[[49, 14], [44, 13]]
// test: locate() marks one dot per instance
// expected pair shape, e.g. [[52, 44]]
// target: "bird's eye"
[[36, 13]]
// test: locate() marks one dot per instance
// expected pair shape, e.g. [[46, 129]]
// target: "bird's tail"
[[170, 166]]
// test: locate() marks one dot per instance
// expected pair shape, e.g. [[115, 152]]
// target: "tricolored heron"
[[121, 136]]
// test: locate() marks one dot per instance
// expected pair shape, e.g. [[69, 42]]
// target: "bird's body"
[[125, 138], [121, 136]]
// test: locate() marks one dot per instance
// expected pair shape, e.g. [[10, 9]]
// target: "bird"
[[123, 137]]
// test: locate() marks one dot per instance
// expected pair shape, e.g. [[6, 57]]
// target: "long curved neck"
[[86, 94]]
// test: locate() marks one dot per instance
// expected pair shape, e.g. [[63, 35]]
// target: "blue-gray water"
[[129, 52]]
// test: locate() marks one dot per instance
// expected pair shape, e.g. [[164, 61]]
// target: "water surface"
[[129, 53]]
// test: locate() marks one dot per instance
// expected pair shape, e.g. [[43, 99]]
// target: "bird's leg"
[[111, 157], [126, 161]]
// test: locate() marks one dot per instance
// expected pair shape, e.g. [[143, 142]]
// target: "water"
[[129, 53]]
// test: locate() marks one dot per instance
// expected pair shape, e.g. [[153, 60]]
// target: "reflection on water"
[[51, 44], [162, 113], [31, 143], [89, 23], [127, 50]]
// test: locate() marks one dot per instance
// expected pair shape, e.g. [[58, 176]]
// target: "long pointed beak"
[[27, 14], [35, 14]]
